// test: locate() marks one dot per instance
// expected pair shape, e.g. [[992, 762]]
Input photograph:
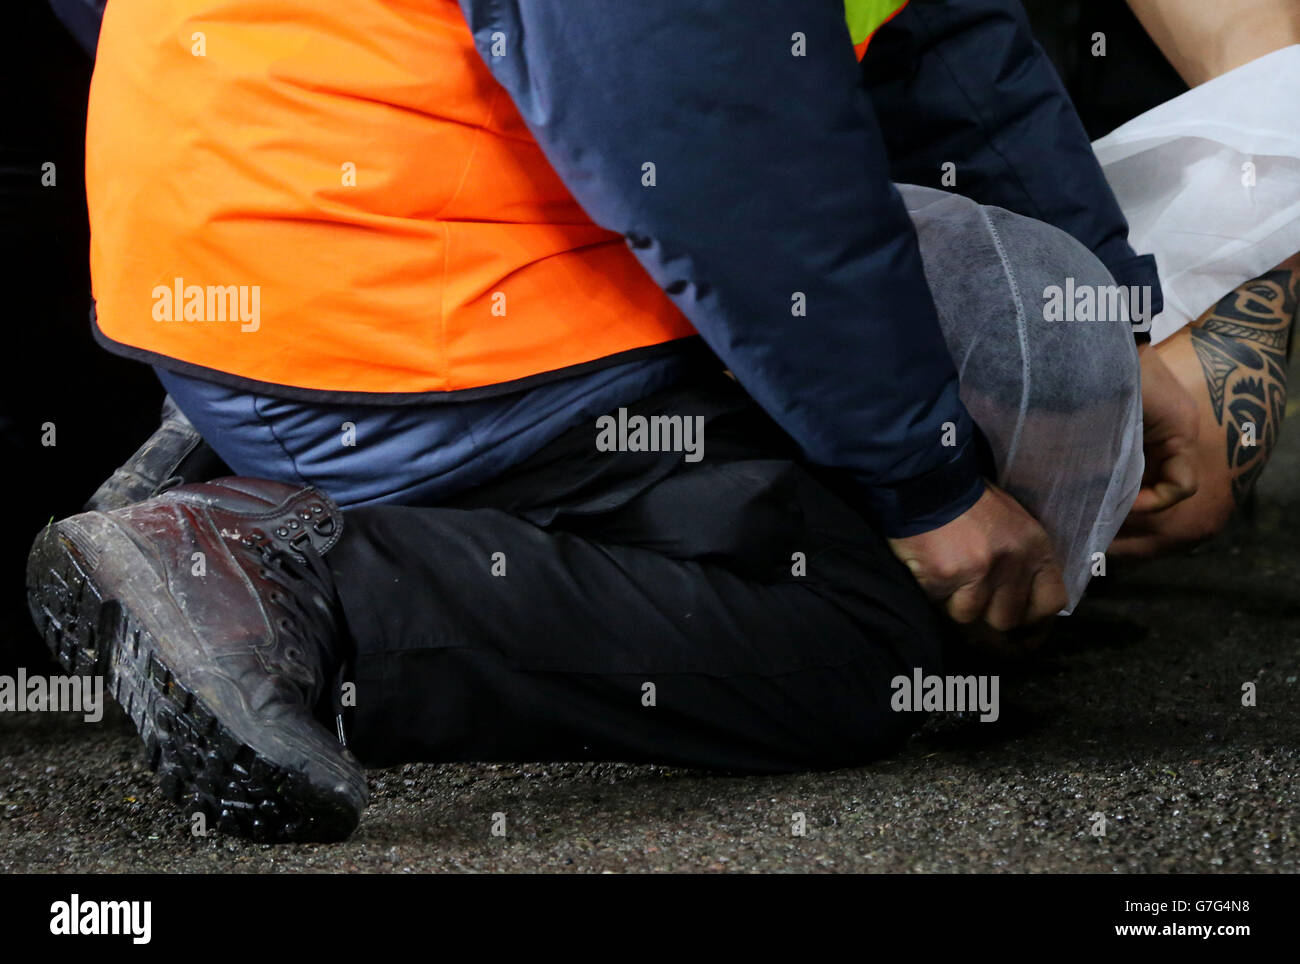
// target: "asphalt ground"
[[1135, 713]]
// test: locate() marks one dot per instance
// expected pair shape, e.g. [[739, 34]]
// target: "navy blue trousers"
[[732, 612]]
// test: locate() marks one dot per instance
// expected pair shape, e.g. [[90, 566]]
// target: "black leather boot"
[[174, 455], [213, 618]]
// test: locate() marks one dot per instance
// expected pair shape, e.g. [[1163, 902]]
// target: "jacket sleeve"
[[82, 18], [731, 142], [963, 82]]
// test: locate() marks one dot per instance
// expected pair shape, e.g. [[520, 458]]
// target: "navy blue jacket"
[[773, 221], [82, 18], [773, 186]]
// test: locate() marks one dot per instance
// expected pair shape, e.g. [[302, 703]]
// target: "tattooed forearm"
[[1244, 344]]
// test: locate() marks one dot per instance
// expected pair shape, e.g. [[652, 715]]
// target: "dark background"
[[102, 407]]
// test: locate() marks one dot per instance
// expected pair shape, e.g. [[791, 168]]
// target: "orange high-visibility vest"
[[341, 198]]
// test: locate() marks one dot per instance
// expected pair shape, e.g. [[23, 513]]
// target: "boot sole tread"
[[200, 763]]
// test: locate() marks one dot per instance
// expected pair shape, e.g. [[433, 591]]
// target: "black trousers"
[[733, 612]]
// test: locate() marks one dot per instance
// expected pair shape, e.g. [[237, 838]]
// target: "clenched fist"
[[993, 564]]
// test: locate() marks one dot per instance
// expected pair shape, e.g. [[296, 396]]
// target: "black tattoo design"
[[1243, 344]]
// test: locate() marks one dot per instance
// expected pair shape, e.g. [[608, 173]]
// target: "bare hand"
[[993, 564], [1170, 428]]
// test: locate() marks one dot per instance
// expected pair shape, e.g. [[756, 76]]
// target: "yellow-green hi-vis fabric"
[[866, 17]]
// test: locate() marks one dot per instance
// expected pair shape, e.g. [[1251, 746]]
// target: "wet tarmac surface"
[[1135, 714]]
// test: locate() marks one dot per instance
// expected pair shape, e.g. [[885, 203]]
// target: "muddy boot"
[[214, 620], [174, 455]]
